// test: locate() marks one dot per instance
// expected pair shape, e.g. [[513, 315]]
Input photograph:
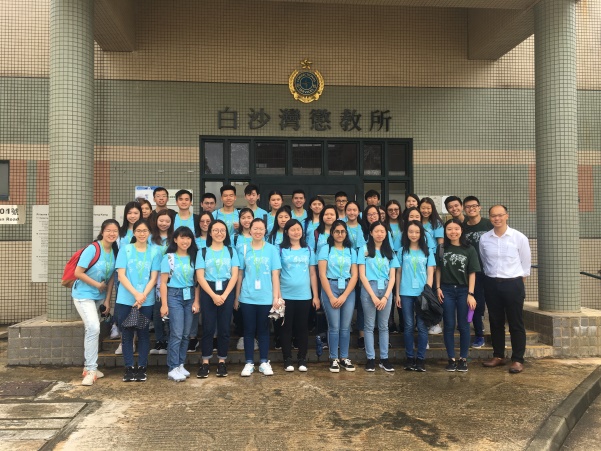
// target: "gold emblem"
[[306, 84]]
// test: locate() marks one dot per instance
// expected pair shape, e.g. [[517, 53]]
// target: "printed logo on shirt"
[[474, 237], [456, 260]]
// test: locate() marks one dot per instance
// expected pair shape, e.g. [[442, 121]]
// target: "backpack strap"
[[236, 240], [316, 237], [96, 257]]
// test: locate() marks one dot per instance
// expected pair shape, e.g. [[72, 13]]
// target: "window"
[[4, 180]]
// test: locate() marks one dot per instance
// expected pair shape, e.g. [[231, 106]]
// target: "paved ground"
[[483, 409], [586, 436]]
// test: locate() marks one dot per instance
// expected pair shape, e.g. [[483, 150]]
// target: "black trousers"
[[505, 298], [296, 318]]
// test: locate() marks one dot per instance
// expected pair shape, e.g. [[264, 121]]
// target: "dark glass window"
[[270, 158], [397, 159], [342, 159], [372, 159], [214, 158], [306, 158]]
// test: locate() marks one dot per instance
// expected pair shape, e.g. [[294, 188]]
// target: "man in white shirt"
[[506, 260]]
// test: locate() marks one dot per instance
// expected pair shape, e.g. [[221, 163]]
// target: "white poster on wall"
[[12, 214], [39, 237], [39, 243]]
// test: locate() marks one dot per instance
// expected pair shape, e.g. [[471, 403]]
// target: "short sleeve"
[[353, 257], [165, 268], [431, 260], [361, 256], [323, 253], [275, 259], [394, 263], [200, 262], [235, 261], [122, 258], [474, 261], [87, 256], [312, 257], [156, 261]]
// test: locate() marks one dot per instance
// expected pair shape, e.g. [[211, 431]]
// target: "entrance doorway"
[[318, 166]]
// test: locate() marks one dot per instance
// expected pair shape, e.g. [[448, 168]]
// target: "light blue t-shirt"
[[311, 226], [101, 272], [179, 222], [126, 239], [183, 273], [414, 275], [300, 218], [257, 266], [270, 222], [355, 234], [200, 242], [279, 236], [229, 219], [432, 236], [378, 267], [161, 247], [217, 264], [339, 261], [242, 245], [322, 240], [395, 236], [138, 266], [260, 213], [295, 278]]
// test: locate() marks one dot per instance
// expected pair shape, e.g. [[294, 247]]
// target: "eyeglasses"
[[218, 231], [393, 210], [339, 232], [497, 216], [471, 207], [142, 231]]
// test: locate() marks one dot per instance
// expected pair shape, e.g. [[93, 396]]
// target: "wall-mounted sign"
[[12, 214], [306, 84]]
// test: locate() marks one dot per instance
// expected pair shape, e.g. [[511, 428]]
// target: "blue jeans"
[[256, 322], [180, 320], [216, 318], [339, 321], [371, 314], [480, 305], [127, 335], [408, 306], [454, 311], [88, 310]]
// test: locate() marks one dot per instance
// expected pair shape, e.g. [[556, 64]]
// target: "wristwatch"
[[470, 293]]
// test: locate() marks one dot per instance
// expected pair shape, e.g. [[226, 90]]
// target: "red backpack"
[[69, 278]]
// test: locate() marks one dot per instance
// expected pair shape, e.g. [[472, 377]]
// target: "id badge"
[[381, 284], [415, 283], [187, 294], [219, 285], [257, 284], [341, 283]]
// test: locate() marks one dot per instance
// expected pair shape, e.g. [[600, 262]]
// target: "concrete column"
[[71, 136], [557, 156]]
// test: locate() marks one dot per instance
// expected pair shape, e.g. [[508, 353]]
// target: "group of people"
[[288, 263]]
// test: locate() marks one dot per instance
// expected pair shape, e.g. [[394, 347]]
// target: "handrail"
[[588, 274]]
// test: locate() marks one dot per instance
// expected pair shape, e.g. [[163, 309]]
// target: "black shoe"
[[370, 365], [409, 364], [141, 374], [193, 345], [420, 365], [347, 364], [278, 343], [361, 343], [214, 344], [156, 349], [221, 369], [129, 375], [203, 371], [386, 366], [451, 366], [462, 365]]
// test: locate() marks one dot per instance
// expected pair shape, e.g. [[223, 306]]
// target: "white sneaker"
[[184, 371], [115, 332], [89, 379], [265, 368], [428, 345], [240, 344], [256, 345], [176, 375], [302, 367], [99, 373], [248, 369], [119, 349], [435, 329]]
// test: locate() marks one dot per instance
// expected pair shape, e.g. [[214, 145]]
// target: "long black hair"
[[125, 225], [347, 241], [242, 211], [137, 224], [435, 220], [226, 241], [274, 231], [156, 232], [406, 242], [285, 244], [105, 224], [183, 231], [321, 228], [364, 223], [385, 248], [198, 231], [462, 240]]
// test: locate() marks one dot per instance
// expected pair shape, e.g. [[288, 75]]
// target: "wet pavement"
[[586, 436], [482, 409]]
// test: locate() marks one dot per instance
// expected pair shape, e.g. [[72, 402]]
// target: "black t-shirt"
[[473, 233], [457, 264]]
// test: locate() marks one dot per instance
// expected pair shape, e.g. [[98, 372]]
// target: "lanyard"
[[185, 267], [340, 261], [108, 262], [414, 262], [379, 263], [218, 262], [141, 269], [353, 235], [258, 265]]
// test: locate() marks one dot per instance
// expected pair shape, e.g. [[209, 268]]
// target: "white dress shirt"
[[506, 256]]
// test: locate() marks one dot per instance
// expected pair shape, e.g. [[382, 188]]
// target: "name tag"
[[219, 285], [341, 283], [187, 294], [381, 284], [415, 283], [257, 284]]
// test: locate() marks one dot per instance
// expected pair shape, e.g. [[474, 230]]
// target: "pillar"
[[71, 140], [557, 156]]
